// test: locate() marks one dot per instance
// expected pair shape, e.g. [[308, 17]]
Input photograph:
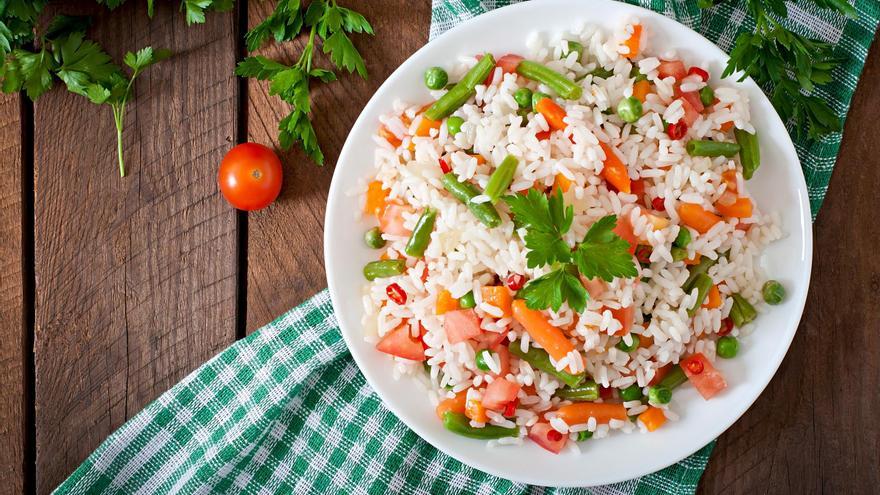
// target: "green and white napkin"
[[286, 409]]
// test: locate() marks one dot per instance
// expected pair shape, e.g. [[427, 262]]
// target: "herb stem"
[[118, 118]]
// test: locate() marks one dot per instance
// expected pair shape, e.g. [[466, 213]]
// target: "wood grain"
[[285, 241], [135, 276], [815, 428], [13, 322]]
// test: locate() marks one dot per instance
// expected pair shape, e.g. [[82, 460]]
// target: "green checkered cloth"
[[287, 411]]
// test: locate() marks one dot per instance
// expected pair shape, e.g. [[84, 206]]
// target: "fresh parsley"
[[193, 9], [601, 253], [789, 66], [325, 21]]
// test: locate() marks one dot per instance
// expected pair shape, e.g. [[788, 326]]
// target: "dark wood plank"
[[285, 253], [13, 324], [815, 428], [135, 276]]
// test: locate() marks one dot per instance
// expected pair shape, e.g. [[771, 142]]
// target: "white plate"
[[778, 186]]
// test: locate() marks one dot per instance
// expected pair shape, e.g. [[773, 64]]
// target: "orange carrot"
[[727, 126], [541, 331], [375, 202], [697, 218], [693, 261], [552, 112], [445, 302], [562, 182], [645, 341], [714, 299], [641, 90], [581, 412], [425, 126], [481, 160], [729, 178], [634, 41], [456, 405], [653, 418], [474, 409], [741, 208], [498, 296], [614, 171], [389, 136]]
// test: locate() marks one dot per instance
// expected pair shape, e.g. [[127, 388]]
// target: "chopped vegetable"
[[467, 301], [713, 301], [539, 359], [740, 208], [631, 393], [773, 292], [672, 68], [474, 410], [538, 96], [465, 192], [498, 296], [445, 302], [562, 85], [703, 147], [633, 42], [641, 90], [436, 78], [501, 178], [584, 435], [695, 271], [541, 331], [545, 436], [587, 391], [742, 311], [581, 412], [373, 238], [658, 394], [515, 281], [691, 112], [602, 72], [677, 131], [421, 234], [727, 347], [396, 293], [703, 284], [614, 171], [459, 423], [376, 195], [480, 359], [625, 316], [389, 136], [683, 238], [707, 380], [697, 218], [572, 47], [523, 97], [673, 378], [553, 113], [623, 346], [400, 342], [453, 125], [454, 405], [391, 220], [426, 125], [750, 152], [653, 418], [384, 269], [499, 393], [707, 96], [678, 254], [462, 91], [461, 325], [630, 109]]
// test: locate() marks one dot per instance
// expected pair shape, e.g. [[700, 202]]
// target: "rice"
[[463, 256]]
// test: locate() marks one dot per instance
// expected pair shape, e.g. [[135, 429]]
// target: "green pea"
[[481, 358], [523, 97], [707, 96], [629, 348], [633, 392], [659, 394], [436, 78], [683, 238], [467, 301], [453, 124], [373, 238], [773, 292], [678, 254], [727, 347], [572, 47], [584, 435], [538, 96], [629, 109]]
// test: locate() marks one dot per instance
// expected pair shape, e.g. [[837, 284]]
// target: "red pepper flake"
[[554, 436], [515, 281], [726, 327], [677, 131], [396, 293], [695, 366], [444, 166], [658, 204], [700, 72], [510, 409]]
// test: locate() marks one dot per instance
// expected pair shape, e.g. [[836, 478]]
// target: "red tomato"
[[703, 375], [624, 229], [674, 68], [391, 220], [461, 325], [693, 98], [595, 286], [503, 358], [700, 72], [499, 393], [509, 63], [543, 435], [677, 131], [625, 316], [250, 176], [543, 135], [690, 112], [400, 342]]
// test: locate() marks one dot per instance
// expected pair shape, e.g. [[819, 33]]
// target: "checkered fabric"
[[286, 410]]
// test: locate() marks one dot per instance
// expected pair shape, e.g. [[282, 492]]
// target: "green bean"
[[501, 178], [421, 234], [707, 96], [460, 424], [373, 238], [750, 154], [465, 192], [563, 86], [633, 392], [773, 292], [384, 269], [584, 435], [539, 359], [683, 238], [523, 97], [695, 270], [678, 254], [742, 311], [436, 78], [703, 284], [659, 394], [674, 378], [467, 301], [587, 391], [572, 47], [453, 124], [703, 147], [463, 90], [631, 347]]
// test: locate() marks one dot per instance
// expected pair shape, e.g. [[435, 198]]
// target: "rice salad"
[[564, 237]]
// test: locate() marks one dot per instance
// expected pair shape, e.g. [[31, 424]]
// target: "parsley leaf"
[[603, 253], [546, 221], [551, 289]]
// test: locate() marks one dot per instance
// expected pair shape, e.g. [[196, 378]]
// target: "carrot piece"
[[645, 341], [389, 136], [693, 261], [714, 299], [562, 182], [445, 302], [553, 113], [481, 160], [581, 412], [634, 41], [653, 418], [697, 218], [741, 208], [614, 171], [541, 331], [729, 178], [456, 404], [498, 296], [375, 202], [641, 90], [474, 409], [727, 126], [425, 126]]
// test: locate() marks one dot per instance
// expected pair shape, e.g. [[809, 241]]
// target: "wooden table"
[[114, 289]]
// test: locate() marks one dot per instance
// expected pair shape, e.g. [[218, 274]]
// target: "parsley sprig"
[[788, 65], [325, 21], [601, 253], [194, 9]]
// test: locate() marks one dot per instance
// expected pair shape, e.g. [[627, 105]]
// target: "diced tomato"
[[595, 286], [625, 316], [677, 131], [624, 229], [510, 409], [707, 380], [693, 98], [489, 340], [637, 187], [456, 405], [540, 433], [700, 72], [690, 112], [658, 204], [729, 178], [509, 63], [391, 220], [503, 355], [499, 393], [461, 324], [673, 68], [400, 342], [660, 372]]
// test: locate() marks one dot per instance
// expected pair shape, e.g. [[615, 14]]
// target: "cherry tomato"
[[250, 176]]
